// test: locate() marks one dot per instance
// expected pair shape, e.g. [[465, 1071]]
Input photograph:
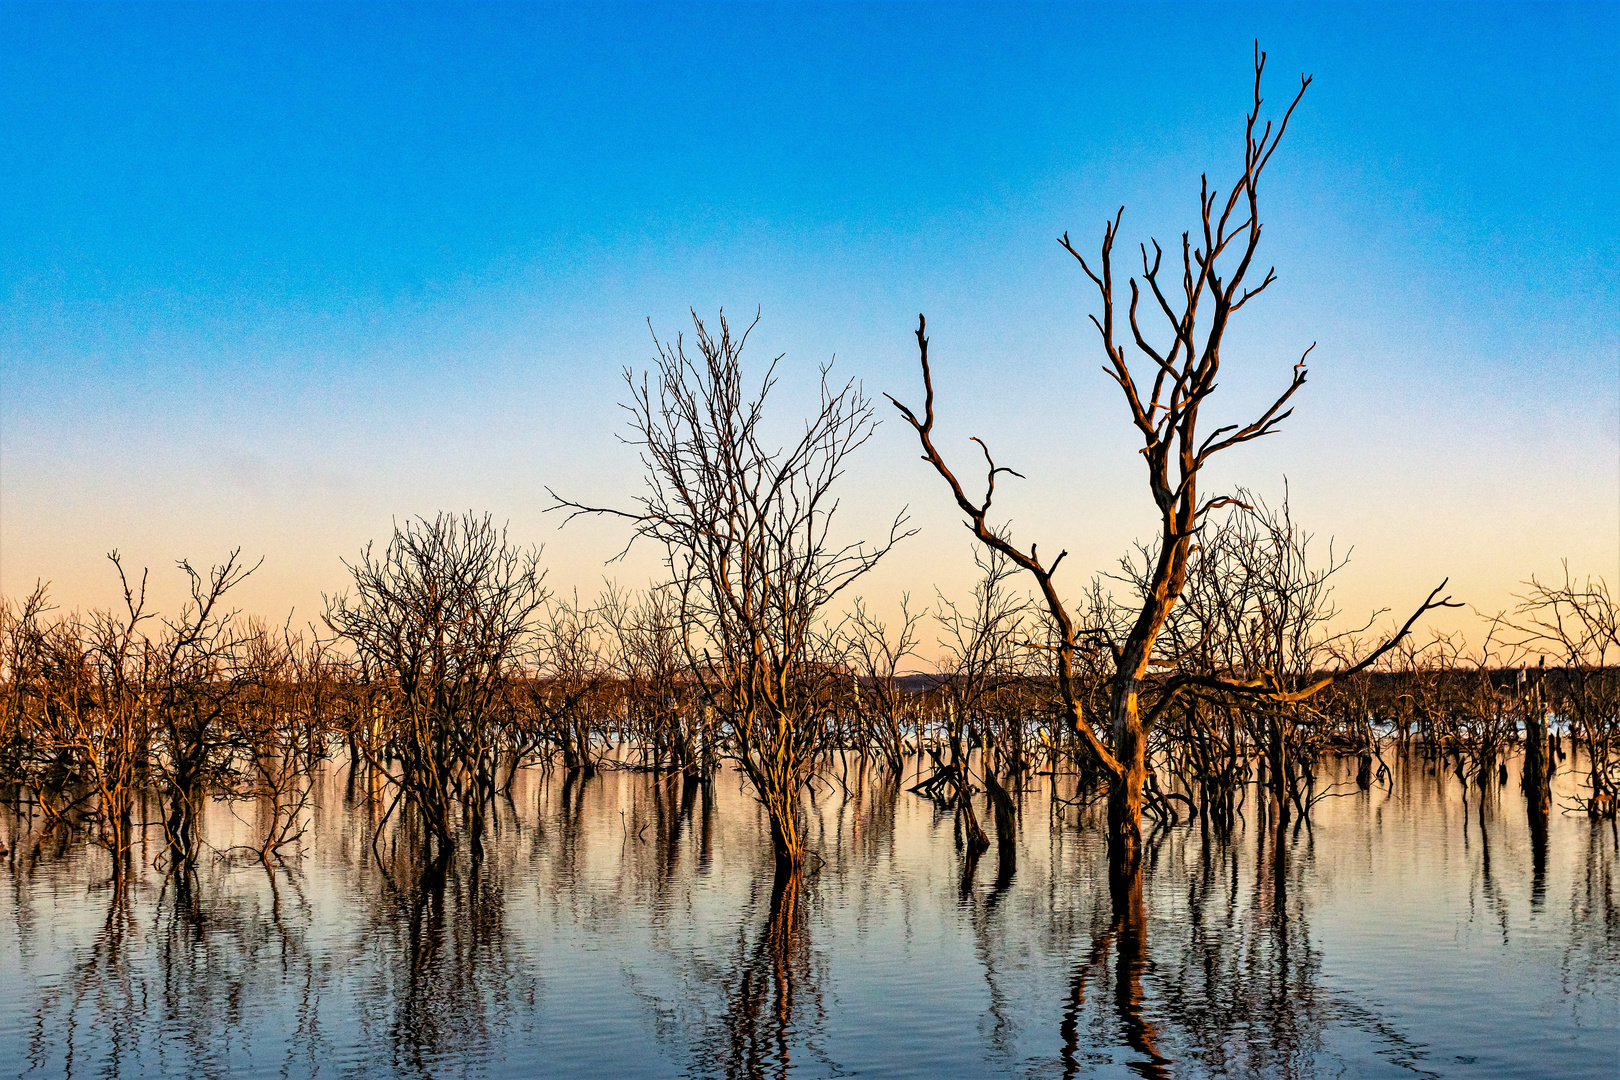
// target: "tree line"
[[1205, 670], [450, 667]]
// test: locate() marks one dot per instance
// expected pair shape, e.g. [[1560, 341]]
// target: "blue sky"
[[273, 275]]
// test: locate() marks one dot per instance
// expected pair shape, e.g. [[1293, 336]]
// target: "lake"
[[625, 925]]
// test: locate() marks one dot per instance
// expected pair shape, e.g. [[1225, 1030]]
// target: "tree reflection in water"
[[96, 1003], [630, 924], [180, 996], [771, 1013], [772, 984], [1237, 992], [1244, 985], [447, 969], [1126, 938]]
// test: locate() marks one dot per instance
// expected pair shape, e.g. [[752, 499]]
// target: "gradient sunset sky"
[[275, 275]]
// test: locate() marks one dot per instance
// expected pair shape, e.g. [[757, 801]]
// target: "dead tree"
[[746, 530], [660, 706], [282, 718], [1217, 281], [1535, 779], [78, 691], [197, 671], [1258, 604], [880, 701], [979, 663], [569, 675], [1578, 624], [446, 613]]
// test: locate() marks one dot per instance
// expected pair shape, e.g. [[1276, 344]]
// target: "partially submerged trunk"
[[1125, 789], [977, 841], [1002, 806], [1277, 750], [1536, 779], [1006, 830], [787, 841]]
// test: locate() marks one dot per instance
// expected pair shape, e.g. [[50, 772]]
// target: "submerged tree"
[[979, 664], [78, 715], [1578, 624], [746, 530], [98, 707], [1217, 280], [445, 613], [197, 672], [876, 651]]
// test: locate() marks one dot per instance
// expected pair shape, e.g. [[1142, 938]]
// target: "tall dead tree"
[[746, 530], [1216, 282], [1535, 779]]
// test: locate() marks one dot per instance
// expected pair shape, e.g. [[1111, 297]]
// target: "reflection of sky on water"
[[627, 928]]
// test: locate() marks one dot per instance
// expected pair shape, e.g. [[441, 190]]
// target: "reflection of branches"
[[773, 997], [1226, 980], [1126, 937], [97, 1003], [759, 1019], [982, 918], [1246, 988], [454, 978], [1069, 1029], [1594, 917], [1235, 989], [159, 1002]]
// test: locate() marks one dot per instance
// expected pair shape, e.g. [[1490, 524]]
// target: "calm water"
[[618, 930]]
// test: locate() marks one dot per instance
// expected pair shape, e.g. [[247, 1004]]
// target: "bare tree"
[[569, 674], [197, 671], [446, 613], [660, 699], [746, 528], [1578, 624], [77, 697], [282, 719], [876, 654], [102, 706], [1258, 606], [1217, 281], [980, 662]]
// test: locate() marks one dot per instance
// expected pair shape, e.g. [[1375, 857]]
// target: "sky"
[[278, 276]]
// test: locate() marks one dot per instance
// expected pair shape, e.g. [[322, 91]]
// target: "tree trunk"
[[1279, 770], [786, 843], [977, 841], [1125, 792], [1535, 779], [1002, 805]]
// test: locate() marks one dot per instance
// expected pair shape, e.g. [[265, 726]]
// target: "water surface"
[[623, 926]]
